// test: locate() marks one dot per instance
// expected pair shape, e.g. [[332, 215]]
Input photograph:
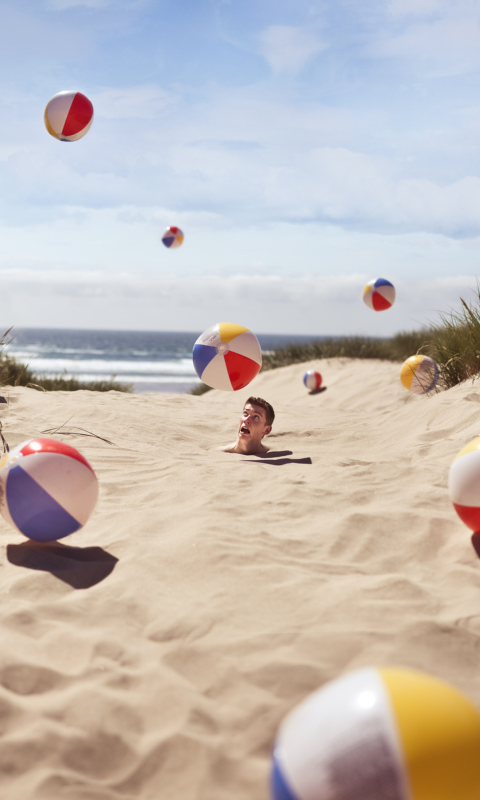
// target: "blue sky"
[[303, 147]]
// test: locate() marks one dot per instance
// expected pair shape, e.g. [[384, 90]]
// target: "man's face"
[[253, 424]]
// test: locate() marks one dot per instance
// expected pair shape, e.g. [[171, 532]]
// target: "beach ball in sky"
[[312, 380], [68, 116], [172, 237], [379, 733], [419, 374], [227, 356], [464, 484], [379, 294], [47, 489]]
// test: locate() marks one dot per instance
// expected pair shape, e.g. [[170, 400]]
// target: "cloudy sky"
[[304, 148]]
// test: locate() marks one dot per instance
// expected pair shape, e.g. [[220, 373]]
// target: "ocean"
[[153, 361]]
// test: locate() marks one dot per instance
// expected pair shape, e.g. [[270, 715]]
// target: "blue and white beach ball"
[[227, 356], [312, 380], [47, 489], [379, 733]]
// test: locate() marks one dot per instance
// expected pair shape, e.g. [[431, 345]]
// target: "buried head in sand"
[[255, 423]]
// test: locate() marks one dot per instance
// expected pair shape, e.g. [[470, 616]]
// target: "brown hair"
[[269, 412]]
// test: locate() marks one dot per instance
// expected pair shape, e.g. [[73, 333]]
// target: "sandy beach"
[[154, 653]]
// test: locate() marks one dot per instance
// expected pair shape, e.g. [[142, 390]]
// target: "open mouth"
[[244, 429]]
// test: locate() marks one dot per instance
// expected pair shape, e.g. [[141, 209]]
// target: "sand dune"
[[154, 653]]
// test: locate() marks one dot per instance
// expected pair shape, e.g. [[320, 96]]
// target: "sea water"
[[152, 361]]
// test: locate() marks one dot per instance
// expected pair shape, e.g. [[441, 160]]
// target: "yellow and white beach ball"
[[379, 733], [464, 484], [419, 374], [68, 116]]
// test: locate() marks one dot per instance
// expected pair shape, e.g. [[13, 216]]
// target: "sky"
[[303, 147]]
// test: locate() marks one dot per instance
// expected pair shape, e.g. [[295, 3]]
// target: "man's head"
[[256, 421]]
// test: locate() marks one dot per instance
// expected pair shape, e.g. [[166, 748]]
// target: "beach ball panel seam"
[[279, 788], [230, 330], [380, 303], [34, 511], [382, 282], [216, 374], [438, 756], [202, 356], [53, 446], [246, 344], [80, 115], [44, 469], [470, 516], [241, 370], [464, 480]]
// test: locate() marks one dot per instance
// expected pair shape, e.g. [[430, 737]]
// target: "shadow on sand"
[[80, 567], [277, 458], [476, 543], [318, 391]]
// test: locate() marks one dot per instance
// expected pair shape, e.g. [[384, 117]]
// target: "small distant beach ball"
[[47, 489], [464, 484], [68, 116], [312, 380], [172, 237], [227, 356], [419, 374], [379, 733], [379, 294]]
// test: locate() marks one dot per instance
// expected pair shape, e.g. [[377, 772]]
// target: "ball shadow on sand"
[[476, 543], [318, 391], [80, 567]]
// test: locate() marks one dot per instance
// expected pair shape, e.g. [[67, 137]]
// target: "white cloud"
[[138, 102], [417, 8], [287, 48]]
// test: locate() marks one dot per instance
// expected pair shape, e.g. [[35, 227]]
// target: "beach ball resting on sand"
[[419, 374], [379, 733], [172, 237], [47, 489], [379, 294], [227, 356], [68, 116], [312, 380], [464, 484]]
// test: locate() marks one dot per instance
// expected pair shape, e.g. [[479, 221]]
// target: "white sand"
[[241, 584]]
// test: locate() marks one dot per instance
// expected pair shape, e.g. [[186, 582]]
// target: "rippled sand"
[[154, 653]]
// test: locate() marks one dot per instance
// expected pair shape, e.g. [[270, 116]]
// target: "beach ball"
[[419, 374], [379, 294], [312, 380], [379, 733], [464, 484], [68, 116], [47, 489], [172, 237], [227, 356]]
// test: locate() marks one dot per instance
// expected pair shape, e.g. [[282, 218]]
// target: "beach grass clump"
[[12, 373], [396, 348], [455, 344]]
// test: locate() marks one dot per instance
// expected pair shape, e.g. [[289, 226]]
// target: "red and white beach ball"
[[227, 356], [464, 484], [379, 733], [172, 237], [379, 294], [68, 116], [312, 380], [47, 489]]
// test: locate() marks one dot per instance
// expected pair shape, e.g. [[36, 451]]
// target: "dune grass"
[[12, 373]]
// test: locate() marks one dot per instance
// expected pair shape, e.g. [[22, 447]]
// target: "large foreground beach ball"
[[68, 116], [172, 237], [419, 374], [379, 294], [464, 484], [227, 356], [379, 733], [312, 380], [47, 489]]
